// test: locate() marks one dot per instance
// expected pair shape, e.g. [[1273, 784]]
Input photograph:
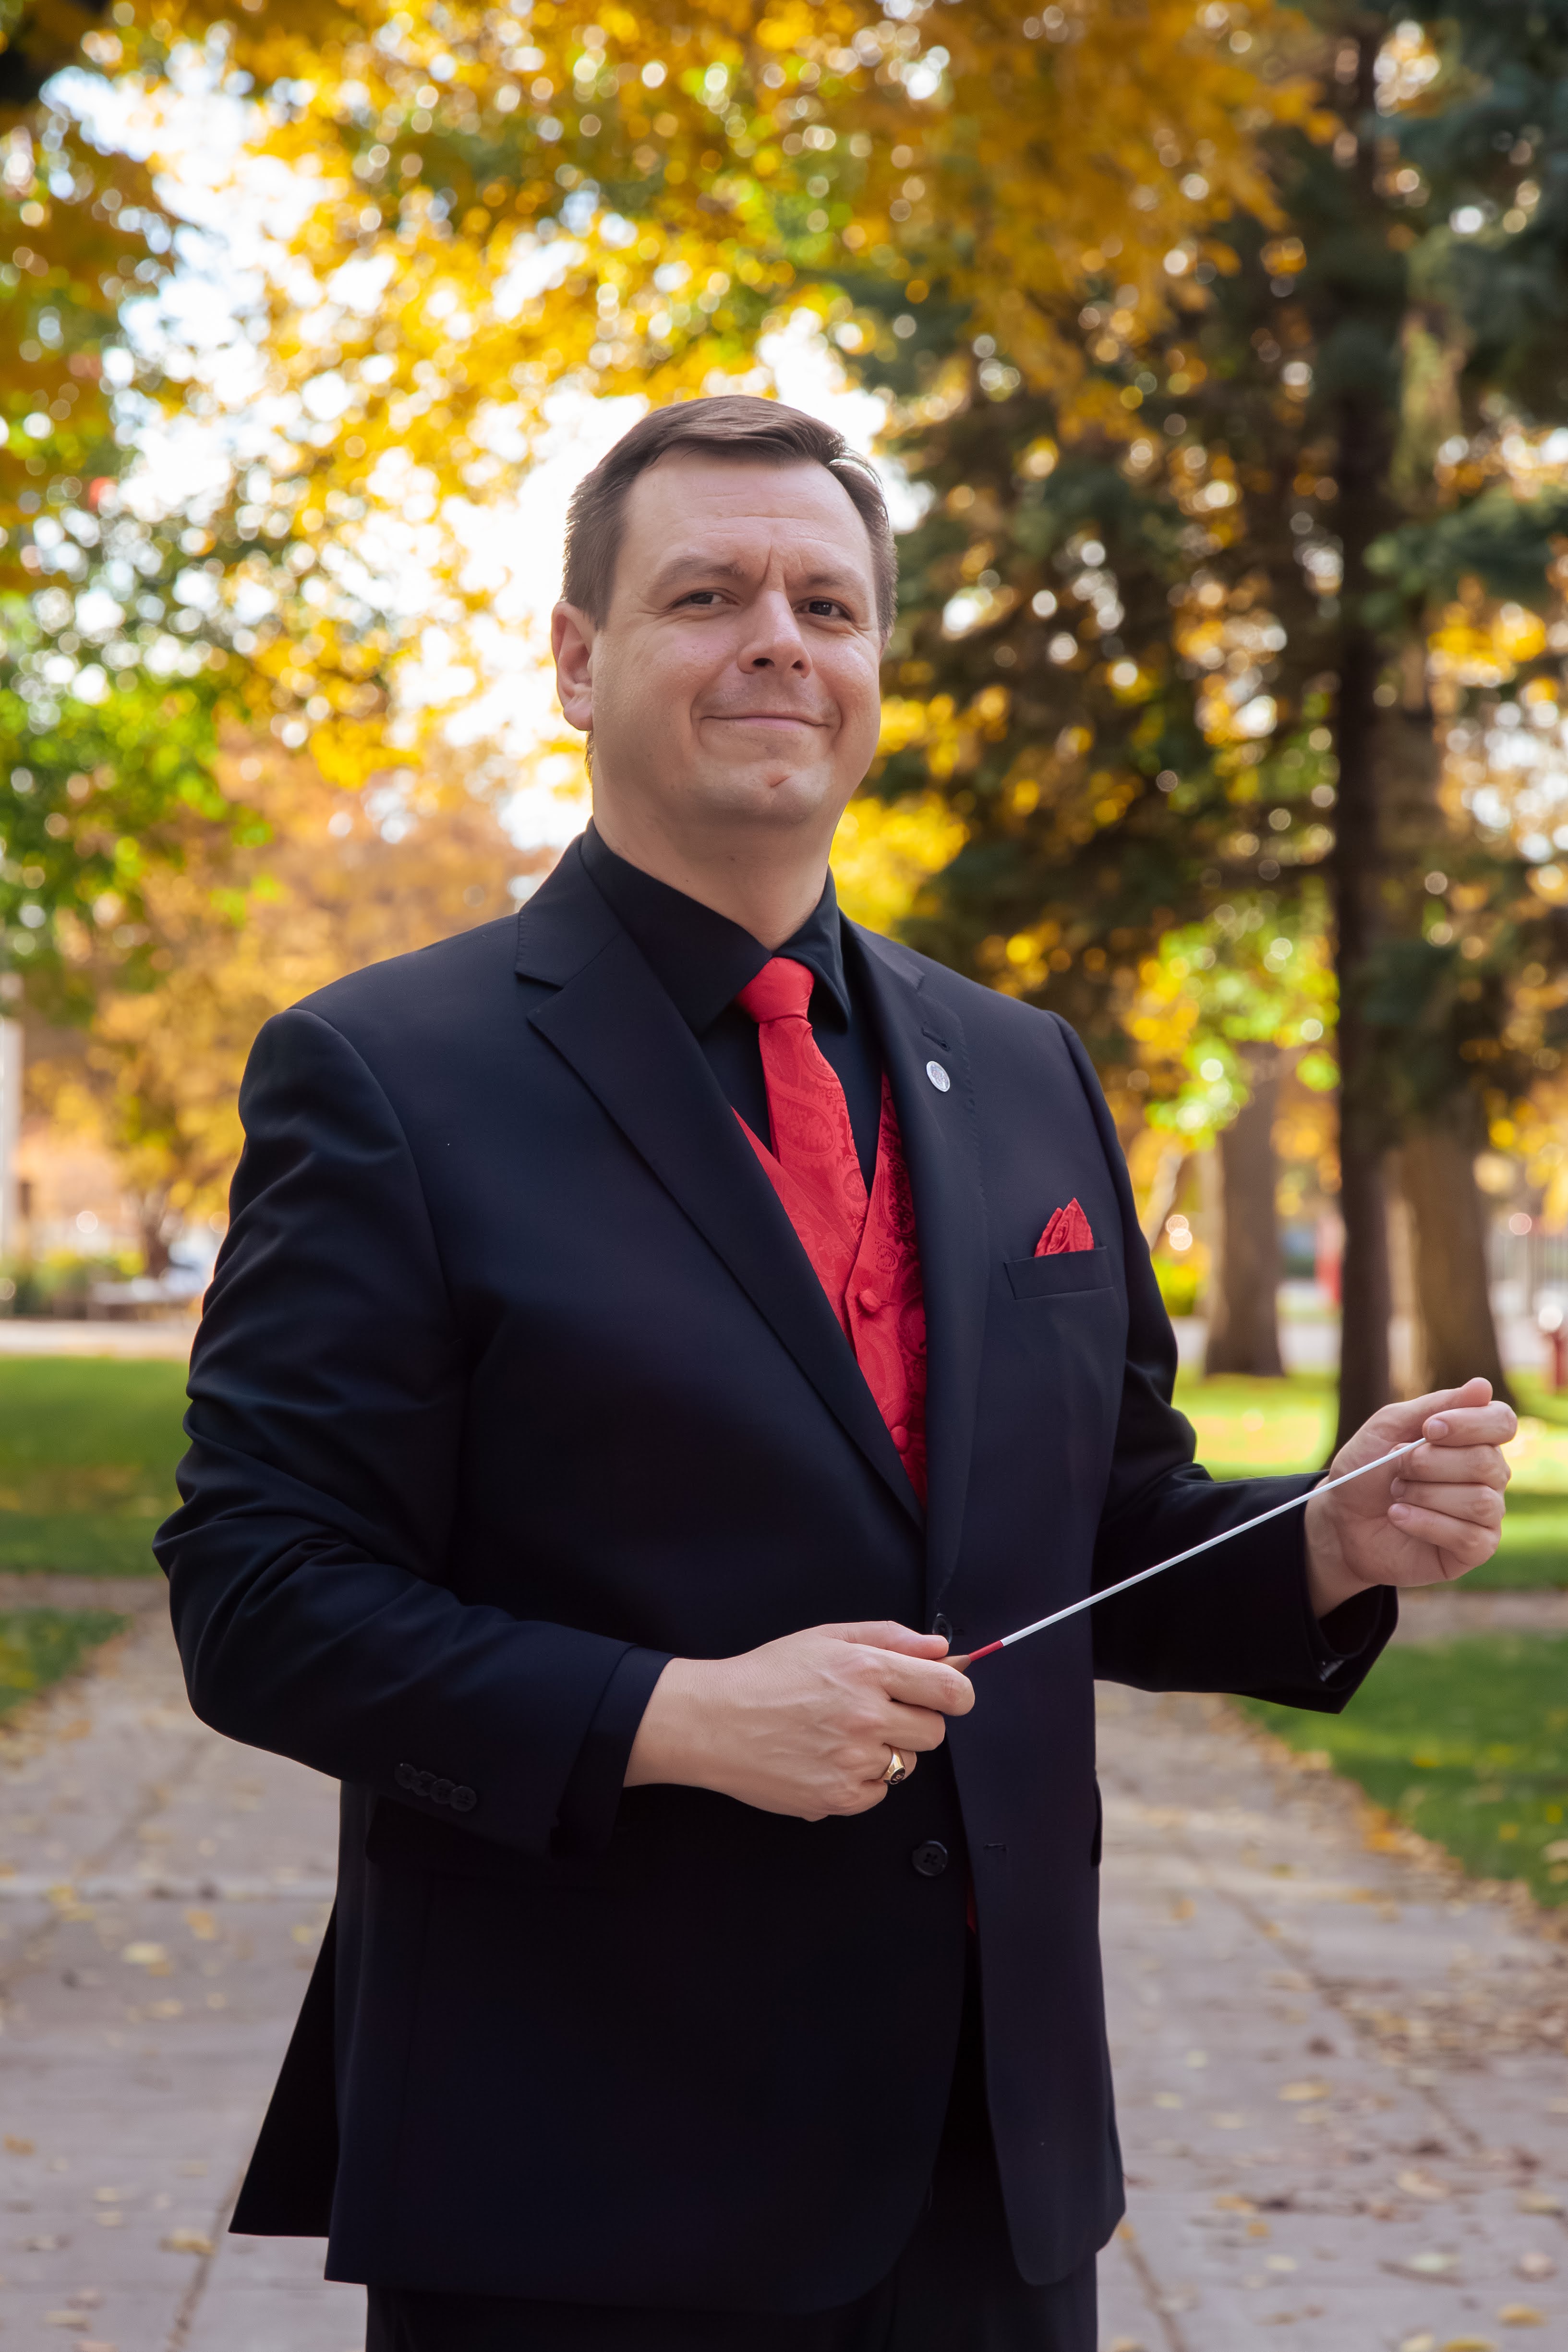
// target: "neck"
[[770, 891]]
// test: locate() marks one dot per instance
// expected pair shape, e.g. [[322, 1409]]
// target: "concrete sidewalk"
[[1344, 2087]]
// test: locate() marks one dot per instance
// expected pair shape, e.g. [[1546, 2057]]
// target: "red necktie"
[[863, 1251], [814, 1143]]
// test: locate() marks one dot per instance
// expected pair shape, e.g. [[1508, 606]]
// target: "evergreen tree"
[[1148, 660]]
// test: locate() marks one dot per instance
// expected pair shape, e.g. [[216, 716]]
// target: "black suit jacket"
[[513, 1381]]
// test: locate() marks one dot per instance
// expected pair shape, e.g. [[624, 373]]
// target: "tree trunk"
[[1365, 446], [1455, 1334], [156, 1230], [1365, 1377], [1243, 1285]]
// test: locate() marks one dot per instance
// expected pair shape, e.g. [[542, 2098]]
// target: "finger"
[[1461, 1466], [1482, 1505], [1466, 1543], [915, 1730], [1469, 1393], [921, 1681], [1490, 1425], [886, 1633]]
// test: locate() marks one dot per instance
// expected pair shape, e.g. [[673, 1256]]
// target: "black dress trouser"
[[955, 2288]]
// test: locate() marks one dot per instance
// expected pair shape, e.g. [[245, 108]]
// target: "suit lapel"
[[941, 1145], [618, 1029]]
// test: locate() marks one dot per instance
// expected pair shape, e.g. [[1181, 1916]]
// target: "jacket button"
[[463, 1801], [930, 1859], [941, 1628], [406, 1776], [441, 1792]]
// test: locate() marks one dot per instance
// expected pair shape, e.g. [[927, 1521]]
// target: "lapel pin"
[[938, 1076]]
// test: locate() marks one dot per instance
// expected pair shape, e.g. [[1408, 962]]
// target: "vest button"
[[938, 1076], [930, 1859], [940, 1626], [900, 1436], [868, 1301]]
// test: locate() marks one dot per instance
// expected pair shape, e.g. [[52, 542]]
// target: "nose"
[[774, 641]]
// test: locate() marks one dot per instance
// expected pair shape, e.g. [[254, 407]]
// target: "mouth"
[[781, 718]]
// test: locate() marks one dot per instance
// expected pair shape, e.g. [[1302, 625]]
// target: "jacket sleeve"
[[1239, 1618], [305, 1565]]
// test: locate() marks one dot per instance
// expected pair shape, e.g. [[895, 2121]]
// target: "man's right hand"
[[804, 1724]]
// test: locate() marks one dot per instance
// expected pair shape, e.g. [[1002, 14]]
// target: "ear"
[[571, 636]]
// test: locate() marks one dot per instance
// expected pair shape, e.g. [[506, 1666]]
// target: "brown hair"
[[729, 425]]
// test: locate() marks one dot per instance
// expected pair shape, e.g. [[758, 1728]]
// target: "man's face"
[[733, 682]]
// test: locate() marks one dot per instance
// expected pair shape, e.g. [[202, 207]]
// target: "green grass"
[[1466, 1741], [1249, 1429], [88, 1449], [37, 1646]]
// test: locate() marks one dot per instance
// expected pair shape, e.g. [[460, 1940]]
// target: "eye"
[[699, 596], [827, 608]]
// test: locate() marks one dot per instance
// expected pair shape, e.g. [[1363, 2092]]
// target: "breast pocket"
[[1060, 1277]]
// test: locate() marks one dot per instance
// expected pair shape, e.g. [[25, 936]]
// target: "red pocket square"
[[1067, 1229]]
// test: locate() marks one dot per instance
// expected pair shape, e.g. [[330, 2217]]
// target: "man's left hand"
[[1428, 1517]]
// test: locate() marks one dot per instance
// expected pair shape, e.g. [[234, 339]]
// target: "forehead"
[[743, 508]]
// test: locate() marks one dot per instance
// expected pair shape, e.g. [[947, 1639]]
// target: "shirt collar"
[[703, 960]]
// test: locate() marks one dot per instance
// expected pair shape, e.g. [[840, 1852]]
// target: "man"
[[650, 1332]]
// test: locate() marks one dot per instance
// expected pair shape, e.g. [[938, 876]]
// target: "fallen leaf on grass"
[[18, 2146], [1432, 2261], [1535, 2265], [1537, 2201], [1424, 2341], [1297, 2093], [187, 2242], [1522, 2315]]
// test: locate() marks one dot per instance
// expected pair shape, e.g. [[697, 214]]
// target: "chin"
[[769, 791]]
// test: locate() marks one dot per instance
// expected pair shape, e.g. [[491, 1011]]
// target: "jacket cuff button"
[[441, 1792], [406, 1776], [463, 1801]]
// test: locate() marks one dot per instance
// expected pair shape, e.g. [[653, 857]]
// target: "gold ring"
[[897, 1769]]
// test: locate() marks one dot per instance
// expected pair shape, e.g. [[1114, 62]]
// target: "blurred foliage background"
[[1222, 355], [1215, 357]]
